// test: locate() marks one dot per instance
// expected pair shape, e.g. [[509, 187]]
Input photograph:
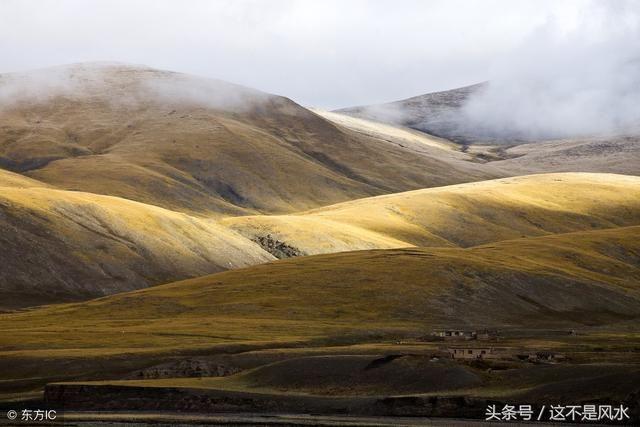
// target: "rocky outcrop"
[[276, 247]]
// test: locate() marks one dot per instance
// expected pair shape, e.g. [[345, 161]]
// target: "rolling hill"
[[197, 145], [61, 245], [460, 215], [144, 212], [116, 177], [616, 153], [66, 246]]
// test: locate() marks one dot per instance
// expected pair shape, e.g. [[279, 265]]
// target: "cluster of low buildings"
[[473, 353], [479, 352], [482, 353], [467, 350]]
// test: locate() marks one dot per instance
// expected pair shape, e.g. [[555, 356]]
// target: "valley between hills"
[[190, 244]]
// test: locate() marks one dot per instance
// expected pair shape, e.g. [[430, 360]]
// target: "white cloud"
[[327, 53], [563, 82]]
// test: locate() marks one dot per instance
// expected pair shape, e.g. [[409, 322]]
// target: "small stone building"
[[472, 353]]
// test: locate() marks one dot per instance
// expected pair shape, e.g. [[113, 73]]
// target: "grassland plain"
[[576, 280]]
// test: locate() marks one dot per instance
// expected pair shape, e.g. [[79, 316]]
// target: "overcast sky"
[[329, 53]]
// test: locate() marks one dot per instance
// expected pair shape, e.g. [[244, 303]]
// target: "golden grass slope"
[[459, 215], [560, 281], [15, 180], [390, 132], [61, 245]]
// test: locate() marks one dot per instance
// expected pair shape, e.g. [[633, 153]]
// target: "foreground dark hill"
[[194, 144]]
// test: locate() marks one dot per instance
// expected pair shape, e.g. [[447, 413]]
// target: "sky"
[[327, 54]]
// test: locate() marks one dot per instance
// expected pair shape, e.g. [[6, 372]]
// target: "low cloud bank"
[[557, 83], [124, 86]]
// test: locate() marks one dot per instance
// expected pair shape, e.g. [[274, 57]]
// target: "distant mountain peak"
[[435, 113]]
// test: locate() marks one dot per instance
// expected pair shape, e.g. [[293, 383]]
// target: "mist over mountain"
[[556, 83], [123, 85], [565, 84]]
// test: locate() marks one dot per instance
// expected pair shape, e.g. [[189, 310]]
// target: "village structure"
[[462, 335], [473, 353], [483, 353]]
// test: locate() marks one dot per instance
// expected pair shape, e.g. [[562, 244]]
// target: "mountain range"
[[147, 216]]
